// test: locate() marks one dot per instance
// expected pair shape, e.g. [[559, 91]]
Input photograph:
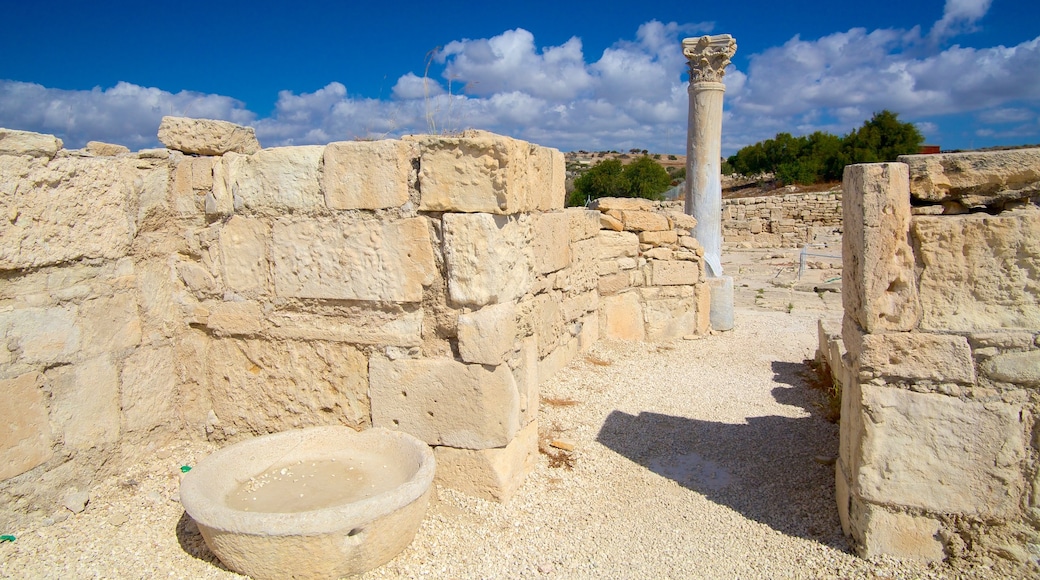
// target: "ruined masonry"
[[941, 379], [214, 289]]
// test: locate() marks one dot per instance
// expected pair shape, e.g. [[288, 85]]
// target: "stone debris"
[[559, 444]]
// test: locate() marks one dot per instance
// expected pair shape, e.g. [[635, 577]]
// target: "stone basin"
[[322, 502]]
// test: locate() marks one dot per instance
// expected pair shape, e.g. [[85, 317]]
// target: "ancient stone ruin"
[[213, 289], [939, 434]]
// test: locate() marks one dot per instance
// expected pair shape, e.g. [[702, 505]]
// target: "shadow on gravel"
[[769, 469], [191, 541]]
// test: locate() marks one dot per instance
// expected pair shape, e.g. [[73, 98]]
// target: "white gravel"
[[693, 459]]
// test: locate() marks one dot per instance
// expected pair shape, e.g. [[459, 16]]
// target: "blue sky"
[[571, 75]]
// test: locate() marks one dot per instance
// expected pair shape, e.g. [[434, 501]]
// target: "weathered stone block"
[[525, 374], [910, 357], [444, 402], [109, 324], [103, 149], [940, 453], [879, 288], [613, 283], [644, 221], [608, 222], [487, 336], [353, 260], [560, 357], [605, 204], [668, 318], [278, 180], [368, 174], [617, 244], [976, 178], [899, 535], [659, 238], [621, 316], [680, 220], [481, 172], [41, 335], [206, 136], [85, 402], [234, 318], [148, 391], [488, 258], [47, 221], [492, 474], [547, 322], [1020, 368], [583, 223], [551, 239], [261, 386], [244, 245], [978, 272], [192, 178], [25, 440], [673, 273], [702, 297], [393, 326], [582, 275], [14, 142]]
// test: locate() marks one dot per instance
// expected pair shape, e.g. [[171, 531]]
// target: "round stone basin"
[[322, 502]]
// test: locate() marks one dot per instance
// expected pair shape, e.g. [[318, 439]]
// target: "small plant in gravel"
[[818, 376], [790, 307]]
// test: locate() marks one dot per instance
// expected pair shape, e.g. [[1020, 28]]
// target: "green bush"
[[641, 178]]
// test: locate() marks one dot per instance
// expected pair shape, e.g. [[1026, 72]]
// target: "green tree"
[[647, 179], [882, 138], [604, 179]]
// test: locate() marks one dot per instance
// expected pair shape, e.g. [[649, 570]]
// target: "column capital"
[[708, 56]]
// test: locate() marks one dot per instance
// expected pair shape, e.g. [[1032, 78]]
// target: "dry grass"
[[559, 402], [818, 376], [558, 458]]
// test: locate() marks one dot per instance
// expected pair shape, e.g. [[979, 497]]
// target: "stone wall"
[[939, 435], [214, 289], [781, 221], [651, 274]]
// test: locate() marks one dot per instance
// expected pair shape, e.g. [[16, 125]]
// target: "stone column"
[[708, 57]]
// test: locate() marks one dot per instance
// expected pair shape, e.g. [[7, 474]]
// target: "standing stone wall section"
[[781, 221], [939, 434]]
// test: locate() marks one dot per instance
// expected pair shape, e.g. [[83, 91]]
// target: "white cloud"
[[126, 113], [959, 16]]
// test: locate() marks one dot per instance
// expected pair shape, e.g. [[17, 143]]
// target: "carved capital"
[[708, 56]]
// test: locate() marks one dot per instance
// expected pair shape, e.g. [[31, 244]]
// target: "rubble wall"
[[939, 440], [215, 289], [781, 221]]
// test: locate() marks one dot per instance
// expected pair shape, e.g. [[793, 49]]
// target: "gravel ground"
[[701, 458]]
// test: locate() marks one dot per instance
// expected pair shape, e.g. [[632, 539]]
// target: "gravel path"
[[693, 459]]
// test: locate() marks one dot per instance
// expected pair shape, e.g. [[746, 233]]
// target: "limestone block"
[[659, 254], [621, 316], [525, 373], [480, 172], [605, 204], [669, 318], [206, 136], [41, 335], [608, 222], [560, 357], [368, 174], [679, 220], [879, 288], [575, 307], [607, 267], [977, 178], [617, 244], [582, 223], [198, 280], [546, 178], [25, 440], [388, 326], [192, 179], [547, 322], [582, 275], [85, 402], [491, 474], [673, 273], [109, 324], [702, 297], [899, 535], [148, 391], [445, 402], [48, 221], [589, 331], [979, 271], [234, 318], [278, 180], [1020, 368], [352, 260], [940, 453], [153, 188], [911, 357], [842, 497], [102, 149], [691, 243], [487, 335], [243, 253], [261, 386], [488, 258], [613, 283], [551, 239], [14, 142], [644, 221], [221, 202], [659, 238]]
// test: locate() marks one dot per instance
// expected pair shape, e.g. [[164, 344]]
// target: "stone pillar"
[[708, 57]]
